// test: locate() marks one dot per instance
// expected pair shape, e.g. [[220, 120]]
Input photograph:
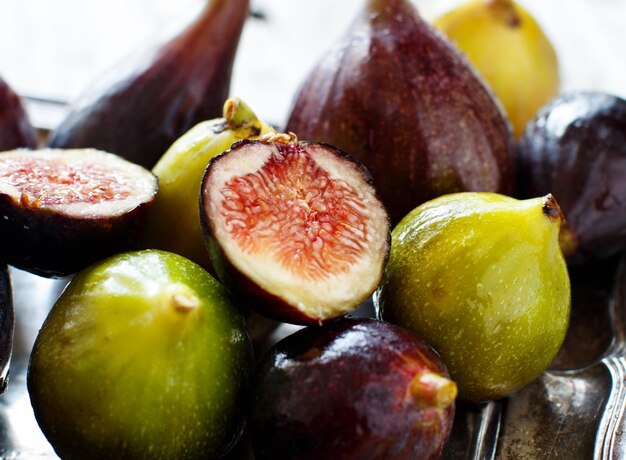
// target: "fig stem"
[[505, 11], [552, 210], [284, 138], [237, 113], [430, 389], [183, 303]]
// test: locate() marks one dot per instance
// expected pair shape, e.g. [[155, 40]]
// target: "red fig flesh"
[[402, 100], [294, 228]]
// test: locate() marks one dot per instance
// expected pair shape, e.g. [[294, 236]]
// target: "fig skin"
[[15, 128], [350, 390], [508, 48], [174, 222], [137, 111], [269, 297], [576, 149], [481, 277], [53, 244], [144, 355], [401, 99], [7, 326]]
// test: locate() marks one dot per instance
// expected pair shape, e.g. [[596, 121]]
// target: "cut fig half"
[[294, 229], [61, 210]]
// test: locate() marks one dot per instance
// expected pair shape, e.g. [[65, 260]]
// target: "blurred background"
[[51, 51]]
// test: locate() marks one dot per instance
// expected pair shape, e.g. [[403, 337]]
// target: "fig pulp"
[[481, 277], [61, 210], [351, 389], [7, 324], [576, 149], [174, 222], [15, 128], [294, 229], [143, 356], [509, 49], [139, 111], [400, 99]]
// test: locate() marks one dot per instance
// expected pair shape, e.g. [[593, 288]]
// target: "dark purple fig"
[[576, 149], [15, 128], [295, 230], [7, 324], [61, 210], [353, 389], [400, 98], [139, 111]]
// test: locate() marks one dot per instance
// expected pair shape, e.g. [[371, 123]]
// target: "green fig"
[[143, 356], [509, 49], [481, 277], [174, 223], [399, 98]]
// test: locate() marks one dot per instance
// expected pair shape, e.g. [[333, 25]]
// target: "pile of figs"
[[405, 183]]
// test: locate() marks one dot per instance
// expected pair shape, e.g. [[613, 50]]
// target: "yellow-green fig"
[[174, 223], [510, 50], [481, 277]]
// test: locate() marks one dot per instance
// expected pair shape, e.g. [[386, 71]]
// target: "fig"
[[355, 388], [401, 99], [144, 355], [481, 277], [576, 149], [174, 222], [294, 229], [138, 110], [15, 128], [7, 325], [62, 210], [508, 48]]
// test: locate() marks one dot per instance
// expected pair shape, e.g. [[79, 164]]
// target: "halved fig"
[[61, 210], [294, 229]]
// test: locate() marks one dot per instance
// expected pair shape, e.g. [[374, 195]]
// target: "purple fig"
[[576, 149], [400, 98], [7, 324], [143, 109], [353, 389], [15, 128]]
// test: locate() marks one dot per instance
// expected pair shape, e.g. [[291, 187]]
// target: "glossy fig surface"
[[349, 390], [174, 222], [506, 45], [294, 229], [481, 277], [399, 98], [576, 149], [138, 111], [15, 128], [7, 325], [61, 210], [144, 355]]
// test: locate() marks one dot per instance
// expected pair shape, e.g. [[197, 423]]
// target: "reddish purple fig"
[[401, 99], [15, 128], [576, 149], [61, 210], [141, 110], [352, 389], [295, 230]]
